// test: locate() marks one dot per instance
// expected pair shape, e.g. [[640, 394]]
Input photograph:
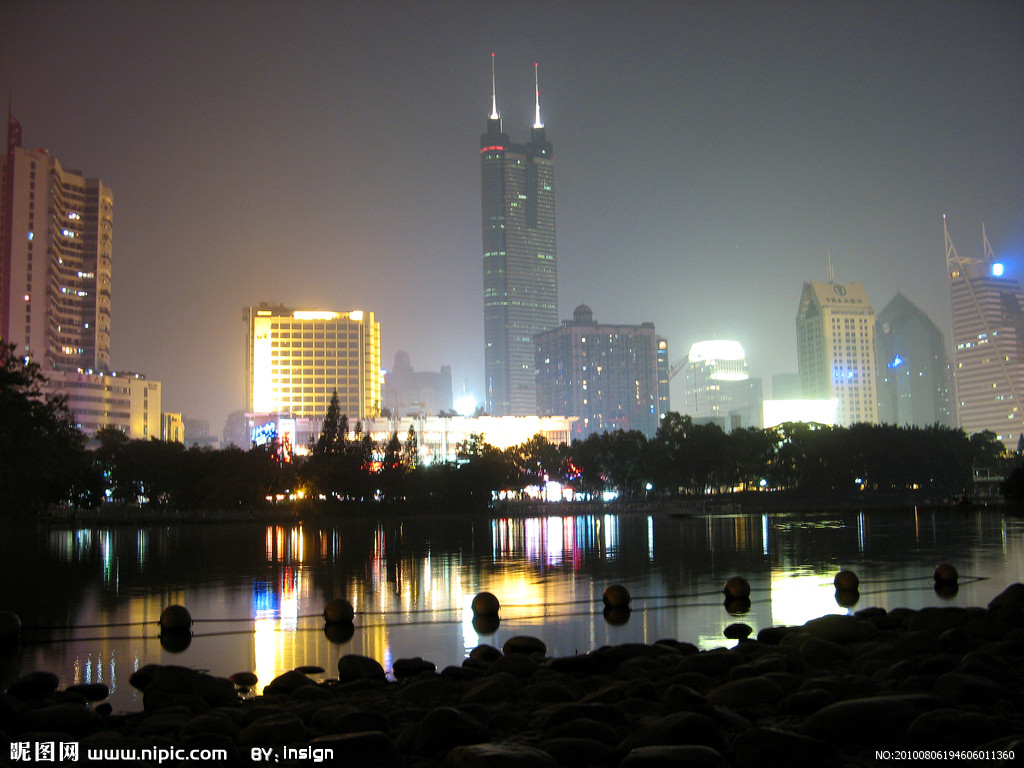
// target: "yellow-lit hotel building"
[[298, 358]]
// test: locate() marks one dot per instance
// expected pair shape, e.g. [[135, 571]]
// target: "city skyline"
[[710, 156]]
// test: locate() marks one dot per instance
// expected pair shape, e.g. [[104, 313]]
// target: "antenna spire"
[[494, 97], [536, 88], [831, 269]]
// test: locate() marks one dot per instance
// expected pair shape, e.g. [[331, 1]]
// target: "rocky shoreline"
[[940, 685]]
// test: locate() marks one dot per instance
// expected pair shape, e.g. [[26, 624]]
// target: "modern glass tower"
[[988, 344], [913, 373], [517, 183]]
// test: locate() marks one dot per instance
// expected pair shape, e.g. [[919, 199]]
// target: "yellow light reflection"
[[798, 598]]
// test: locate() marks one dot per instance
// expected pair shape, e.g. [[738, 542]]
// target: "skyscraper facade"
[[55, 260], [988, 344], [517, 184], [836, 352], [606, 376], [716, 382], [297, 359], [913, 368]]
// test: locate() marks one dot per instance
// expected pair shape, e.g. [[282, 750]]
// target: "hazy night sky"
[[707, 157]]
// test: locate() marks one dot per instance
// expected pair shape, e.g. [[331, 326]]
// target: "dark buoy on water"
[[339, 611], [10, 626], [945, 574], [339, 632], [847, 598], [616, 596], [736, 587], [175, 618], [486, 623], [175, 628], [846, 581], [486, 604], [616, 615]]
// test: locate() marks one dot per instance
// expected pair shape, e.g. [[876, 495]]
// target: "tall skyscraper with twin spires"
[[520, 282]]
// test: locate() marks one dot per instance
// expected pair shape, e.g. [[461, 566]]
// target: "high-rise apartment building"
[[717, 384], [988, 343], [297, 359], [55, 260], [520, 286], [836, 352], [604, 375], [913, 371]]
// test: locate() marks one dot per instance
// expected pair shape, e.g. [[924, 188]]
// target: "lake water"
[[90, 598]]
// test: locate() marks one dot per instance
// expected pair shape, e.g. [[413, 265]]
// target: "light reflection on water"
[[257, 592]]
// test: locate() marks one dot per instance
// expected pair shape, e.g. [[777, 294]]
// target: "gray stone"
[[211, 723], [937, 619], [673, 757], [569, 752], [958, 687], [366, 749], [287, 683], [427, 690], [769, 747], [680, 728], [747, 693], [446, 727], [841, 629], [806, 702], [34, 685], [404, 668], [583, 728], [356, 667], [272, 730], [493, 689], [524, 644], [361, 720], [878, 720], [90, 691], [819, 652], [952, 729], [499, 755]]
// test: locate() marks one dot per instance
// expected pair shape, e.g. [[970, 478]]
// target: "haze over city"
[[709, 158]]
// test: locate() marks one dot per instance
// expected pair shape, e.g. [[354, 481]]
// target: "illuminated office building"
[[718, 385], [128, 402], [606, 376], [298, 358], [913, 372], [55, 260], [988, 343], [836, 353], [520, 286]]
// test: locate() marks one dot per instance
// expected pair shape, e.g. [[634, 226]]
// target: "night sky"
[[709, 155]]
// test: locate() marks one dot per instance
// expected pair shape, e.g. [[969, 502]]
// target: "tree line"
[[45, 461]]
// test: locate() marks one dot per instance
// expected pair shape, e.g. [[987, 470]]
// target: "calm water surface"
[[89, 598]]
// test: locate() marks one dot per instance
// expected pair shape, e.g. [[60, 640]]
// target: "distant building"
[[297, 359], [913, 372], [125, 401], [988, 343], [197, 432], [836, 352], [664, 379], [605, 376], [412, 393], [173, 430], [517, 184], [55, 260], [717, 385], [786, 386]]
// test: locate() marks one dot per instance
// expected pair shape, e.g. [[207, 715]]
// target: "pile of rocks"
[[834, 691]]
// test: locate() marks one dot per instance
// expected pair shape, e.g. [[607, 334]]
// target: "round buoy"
[[244, 679], [737, 586], [339, 610], [486, 604], [10, 625], [945, 574], [339, 632], [176, 641], [946, 589], [616, 615], [737, 606], [846, 580], [486, 623], [175, 618], [847, 598], [616, 596]]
